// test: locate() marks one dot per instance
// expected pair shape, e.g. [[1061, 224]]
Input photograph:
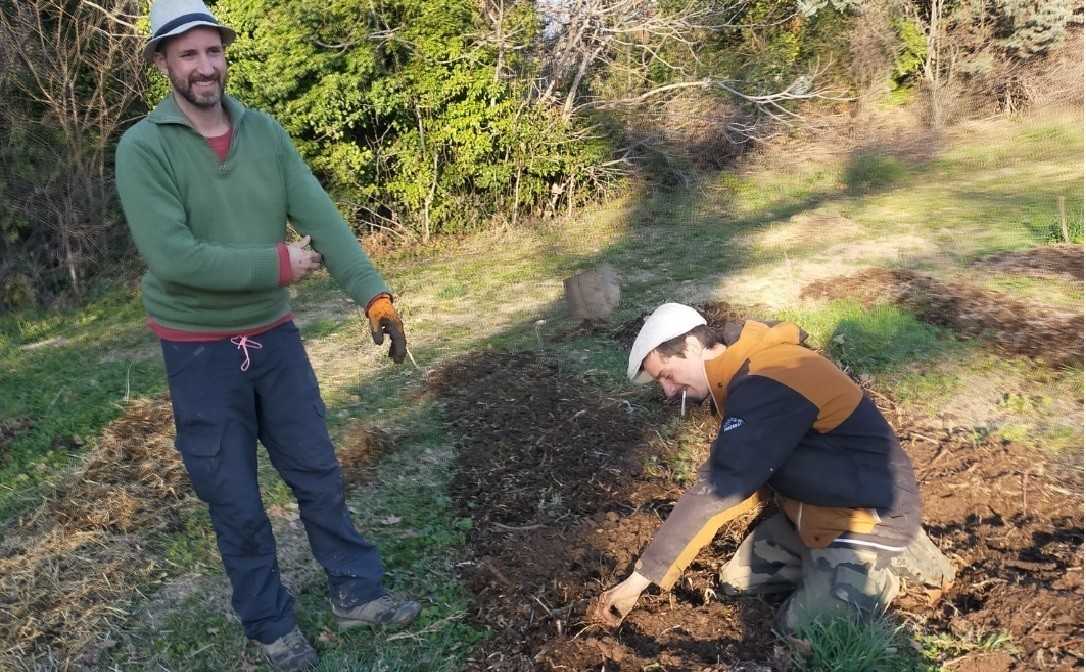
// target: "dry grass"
[[359, 448], [68, 575]]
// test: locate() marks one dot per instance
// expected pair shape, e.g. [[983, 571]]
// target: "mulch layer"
[[559, 481], [70, 567], [1013, 326], [1043, 262]]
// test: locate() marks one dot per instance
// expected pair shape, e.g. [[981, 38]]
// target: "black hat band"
[[182, 20]]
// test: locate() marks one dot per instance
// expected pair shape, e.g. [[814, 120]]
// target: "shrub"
[[415, 118]]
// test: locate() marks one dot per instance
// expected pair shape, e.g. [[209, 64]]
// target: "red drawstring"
[[243, 343]]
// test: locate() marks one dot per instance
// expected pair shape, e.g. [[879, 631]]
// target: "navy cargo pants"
[[227, 394]]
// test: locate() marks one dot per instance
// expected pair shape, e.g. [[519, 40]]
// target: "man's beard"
[[185, 88]]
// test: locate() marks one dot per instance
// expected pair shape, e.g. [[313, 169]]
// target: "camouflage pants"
[[850, 581]]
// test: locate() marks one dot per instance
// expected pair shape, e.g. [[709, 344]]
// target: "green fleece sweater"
[[211, 232]]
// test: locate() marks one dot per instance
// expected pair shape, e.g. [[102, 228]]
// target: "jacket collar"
[[754, 338], [169, 112]]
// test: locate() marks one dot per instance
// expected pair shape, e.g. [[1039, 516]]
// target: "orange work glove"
[[384, 320]]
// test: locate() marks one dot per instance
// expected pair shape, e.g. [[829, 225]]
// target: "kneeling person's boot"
[[385, 610], [839, 582], [924, 563], [291, 653]]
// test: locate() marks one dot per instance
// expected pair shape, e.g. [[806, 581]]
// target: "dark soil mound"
[[1013, 326], [1043, 261], [559, 482], [552, 474]]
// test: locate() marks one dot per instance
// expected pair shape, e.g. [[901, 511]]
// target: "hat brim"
[[642, 378], [228, 36]]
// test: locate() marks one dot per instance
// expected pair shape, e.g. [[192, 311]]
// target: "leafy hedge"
[[402, 107]]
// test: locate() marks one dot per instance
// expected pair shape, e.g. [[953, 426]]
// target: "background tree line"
[[425, 117]]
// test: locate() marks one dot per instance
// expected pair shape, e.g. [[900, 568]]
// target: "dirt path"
[[554, 477]]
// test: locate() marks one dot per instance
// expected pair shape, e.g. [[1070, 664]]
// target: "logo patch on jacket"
[[732, 423]]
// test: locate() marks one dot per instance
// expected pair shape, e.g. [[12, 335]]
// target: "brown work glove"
[[384, 320]]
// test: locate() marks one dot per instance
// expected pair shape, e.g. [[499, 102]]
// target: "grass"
[[68, 372], [192, 548], [880, 645], [407, 513], [1060, 293], [746, 238], [932, 373], [866, 172], [847, 645], [870, 340], [944, 646]]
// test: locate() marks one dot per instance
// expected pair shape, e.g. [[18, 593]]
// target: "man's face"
[[195, 62], [676, 373]]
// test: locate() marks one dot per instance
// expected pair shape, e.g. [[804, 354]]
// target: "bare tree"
[[583, 36], [78, 76]]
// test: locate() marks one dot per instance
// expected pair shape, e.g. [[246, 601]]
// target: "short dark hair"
[[676, 347]]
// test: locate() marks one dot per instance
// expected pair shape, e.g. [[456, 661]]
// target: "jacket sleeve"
[[314, 213], [763, 422], [157, 220]]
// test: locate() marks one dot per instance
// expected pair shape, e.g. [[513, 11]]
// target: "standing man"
[[796, 427], [207, 186]]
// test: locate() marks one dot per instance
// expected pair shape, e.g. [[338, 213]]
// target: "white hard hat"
[[665, 323]]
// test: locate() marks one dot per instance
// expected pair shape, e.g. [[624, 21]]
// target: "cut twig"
[[517, 528]]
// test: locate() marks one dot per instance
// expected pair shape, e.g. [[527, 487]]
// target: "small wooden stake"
[[1061, 202]]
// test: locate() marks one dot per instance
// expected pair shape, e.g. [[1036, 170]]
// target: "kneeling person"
[[795, 428]]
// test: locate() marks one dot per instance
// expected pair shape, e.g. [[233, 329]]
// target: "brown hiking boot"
[[291, 653], [385, 610]]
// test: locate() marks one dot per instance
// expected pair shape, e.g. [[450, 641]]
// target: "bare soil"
[[558, 480], [1013, 326]]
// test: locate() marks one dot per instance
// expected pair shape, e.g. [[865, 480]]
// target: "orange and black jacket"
[[796, 428]]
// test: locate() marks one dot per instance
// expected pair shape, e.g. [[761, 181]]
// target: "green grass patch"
[[847, 645], [192, 548], [68, 372], [322, 328], [1059, 292], [869, 340], [870, 171], [186, 639], [943, 645]]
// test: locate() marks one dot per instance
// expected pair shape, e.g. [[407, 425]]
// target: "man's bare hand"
[[615, 604], [302, 261]]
